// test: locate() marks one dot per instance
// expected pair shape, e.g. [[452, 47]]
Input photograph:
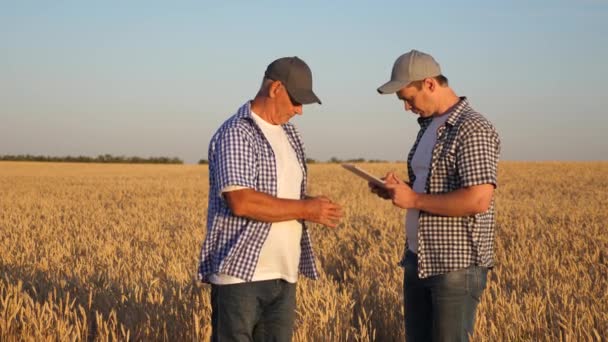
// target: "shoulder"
[[472, 122], [236, 127]]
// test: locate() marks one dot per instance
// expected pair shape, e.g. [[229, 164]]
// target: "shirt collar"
[[457, 110], [245, 111], [454, 113]]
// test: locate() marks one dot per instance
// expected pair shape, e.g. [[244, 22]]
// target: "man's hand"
[[382, 192], [322, 210], [379, 191], [402, 194]]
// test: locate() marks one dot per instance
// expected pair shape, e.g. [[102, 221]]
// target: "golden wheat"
[[109, 252]]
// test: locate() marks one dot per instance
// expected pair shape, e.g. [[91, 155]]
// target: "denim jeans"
[[254, 311], [441, 307]]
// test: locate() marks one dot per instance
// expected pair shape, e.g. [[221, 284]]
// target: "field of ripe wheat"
[[98, 252]]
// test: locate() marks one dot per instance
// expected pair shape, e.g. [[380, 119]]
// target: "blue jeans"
[[441, 307], [255, 311]]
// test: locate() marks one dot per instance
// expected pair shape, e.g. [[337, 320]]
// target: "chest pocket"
[[266, 166], [445, 172]]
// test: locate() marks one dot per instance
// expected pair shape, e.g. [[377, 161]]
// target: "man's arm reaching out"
[[263, 207]]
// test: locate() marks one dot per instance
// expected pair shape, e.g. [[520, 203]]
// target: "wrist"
[[417, 201], [305, 209]]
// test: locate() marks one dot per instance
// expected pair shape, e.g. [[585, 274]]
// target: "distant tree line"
[[108, 158], [355, 160], [332, 160], [105, 158]]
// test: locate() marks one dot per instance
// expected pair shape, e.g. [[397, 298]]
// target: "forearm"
[[461, 202], [263, 207]]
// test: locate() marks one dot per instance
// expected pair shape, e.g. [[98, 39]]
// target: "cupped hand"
[[322, 210]]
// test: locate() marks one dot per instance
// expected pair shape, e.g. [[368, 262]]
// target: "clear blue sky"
[[152, 78]]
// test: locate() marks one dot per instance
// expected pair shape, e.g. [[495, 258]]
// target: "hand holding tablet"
[[364, 174]]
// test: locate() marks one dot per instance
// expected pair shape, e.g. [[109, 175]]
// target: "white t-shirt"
[[280, 254], [421, 164]]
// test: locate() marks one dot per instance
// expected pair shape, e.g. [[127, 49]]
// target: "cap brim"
[[304, 96], [391, 87]]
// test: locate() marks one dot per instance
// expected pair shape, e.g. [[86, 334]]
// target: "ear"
[[274, 88], [430, 83]]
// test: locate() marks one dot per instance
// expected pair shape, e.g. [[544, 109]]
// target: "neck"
[[449, 100], [262, 108]]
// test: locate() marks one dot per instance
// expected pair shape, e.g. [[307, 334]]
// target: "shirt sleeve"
[[230, 188], [236, 160], [477, 160]]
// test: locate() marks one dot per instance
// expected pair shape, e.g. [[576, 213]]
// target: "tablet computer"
[[364, 174]]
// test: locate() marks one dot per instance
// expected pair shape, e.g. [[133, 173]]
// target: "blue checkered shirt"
[[466, 154], [239, 154]]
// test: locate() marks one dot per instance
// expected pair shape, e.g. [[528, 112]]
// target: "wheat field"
[[109, 252]]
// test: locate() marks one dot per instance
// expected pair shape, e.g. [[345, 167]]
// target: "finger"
[[374, 187], [392, 179], [330, 224], [380, 191], [399, 180], [334, 206], [337, 213], [333, 219], [388, 177]]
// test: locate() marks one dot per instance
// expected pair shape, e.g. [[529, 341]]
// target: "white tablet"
[[364, 174]]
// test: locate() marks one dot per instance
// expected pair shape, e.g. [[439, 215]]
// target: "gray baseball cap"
[[410, 67], [295, 76]]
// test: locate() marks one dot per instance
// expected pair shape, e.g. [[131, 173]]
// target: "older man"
[[256, 241], [450, 209]]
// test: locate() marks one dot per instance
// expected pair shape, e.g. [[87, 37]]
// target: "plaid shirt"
[[466, 154], [239, 154]]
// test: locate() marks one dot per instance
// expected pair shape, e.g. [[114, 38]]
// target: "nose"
[[407, 106]]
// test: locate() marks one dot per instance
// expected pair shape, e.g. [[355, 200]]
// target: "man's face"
[[285, 107], [417, 101]]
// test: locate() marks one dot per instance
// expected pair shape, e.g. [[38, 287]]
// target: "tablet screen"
[[364, 174]]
